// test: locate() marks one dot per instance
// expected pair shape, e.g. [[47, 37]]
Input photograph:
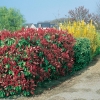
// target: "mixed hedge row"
[[30, 56], [80, 29]]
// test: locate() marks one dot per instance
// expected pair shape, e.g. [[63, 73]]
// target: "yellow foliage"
[[82, 29]]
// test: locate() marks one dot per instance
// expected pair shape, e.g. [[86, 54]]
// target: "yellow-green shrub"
[[82, 29], [98, 48]]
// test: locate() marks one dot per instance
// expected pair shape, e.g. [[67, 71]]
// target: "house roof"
[[29, 24], [44, 24]]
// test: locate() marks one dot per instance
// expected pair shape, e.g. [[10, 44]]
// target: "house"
[[45, 25], [52, 25], [30, 25]]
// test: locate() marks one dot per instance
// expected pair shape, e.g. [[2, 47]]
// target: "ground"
[[85, 85]]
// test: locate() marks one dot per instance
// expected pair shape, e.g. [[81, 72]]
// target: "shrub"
[[81, 29], [29, 56], [82, 53], [98, 48]]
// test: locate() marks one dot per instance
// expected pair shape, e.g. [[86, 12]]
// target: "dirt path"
[[83, 86]]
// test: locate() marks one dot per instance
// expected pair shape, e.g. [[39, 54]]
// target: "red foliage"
[[57, 49]]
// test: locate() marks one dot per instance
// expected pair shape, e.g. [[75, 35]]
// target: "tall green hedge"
[[82, 53]]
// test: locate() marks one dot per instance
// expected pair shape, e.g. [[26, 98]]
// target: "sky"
[[35, 11]]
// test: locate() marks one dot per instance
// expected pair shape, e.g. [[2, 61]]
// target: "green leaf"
[[38, 42], [46, 61], [21, 63], [7, 66], [17, 58], [1, 43], [46, 69], [12, 93], [26, 93], [27, 73], [22, 42], [40, 54], [18, 88], [9, 41], [47, 37], [10, 72], [2, 94]]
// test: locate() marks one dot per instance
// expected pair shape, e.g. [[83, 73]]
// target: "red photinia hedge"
[[30, 56]]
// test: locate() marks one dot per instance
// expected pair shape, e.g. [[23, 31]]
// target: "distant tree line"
[[11, 19], [78, 14]]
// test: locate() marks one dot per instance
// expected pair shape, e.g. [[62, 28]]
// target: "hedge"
[[82, 53], [30, 56]]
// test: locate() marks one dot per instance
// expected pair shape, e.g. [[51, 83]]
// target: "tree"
[[10, 19], [82, 13]]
